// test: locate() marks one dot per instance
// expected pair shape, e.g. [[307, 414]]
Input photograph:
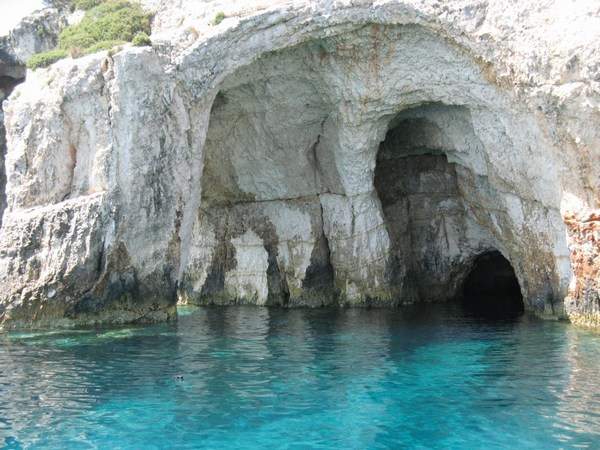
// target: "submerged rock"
[[308, 153]]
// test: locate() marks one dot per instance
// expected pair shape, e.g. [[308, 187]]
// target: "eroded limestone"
[[327, 153]]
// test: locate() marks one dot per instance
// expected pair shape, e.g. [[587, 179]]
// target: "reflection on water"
[[423, 376], [579, 412]]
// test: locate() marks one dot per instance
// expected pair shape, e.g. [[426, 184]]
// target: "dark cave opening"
[[424, 187], [491, 289], [421, 202]]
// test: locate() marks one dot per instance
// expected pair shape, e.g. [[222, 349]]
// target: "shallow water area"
[[428, 376]]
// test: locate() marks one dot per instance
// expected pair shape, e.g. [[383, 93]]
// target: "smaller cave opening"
[[491, 289]]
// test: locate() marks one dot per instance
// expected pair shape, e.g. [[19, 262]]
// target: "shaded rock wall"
[[12, 72], [2, 168], [434, 237], [347, 153]]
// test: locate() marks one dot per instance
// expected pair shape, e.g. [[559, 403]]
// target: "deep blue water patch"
[[413, 377]]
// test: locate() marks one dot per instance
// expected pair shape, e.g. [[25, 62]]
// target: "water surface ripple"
[[414, 377]]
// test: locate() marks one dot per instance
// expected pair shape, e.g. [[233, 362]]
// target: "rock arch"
[[419, 177], [316, 153]]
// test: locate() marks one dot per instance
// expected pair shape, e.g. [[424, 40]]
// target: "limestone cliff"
[[34, 34], [306, 153]]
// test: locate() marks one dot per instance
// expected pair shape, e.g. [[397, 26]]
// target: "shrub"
[[84, 5], [219, 17], [141, 39], [111, 21], [103, 45], [106, 24], [75, 37], [47, 58]]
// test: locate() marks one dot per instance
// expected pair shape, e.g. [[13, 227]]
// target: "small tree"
[[84, 5]]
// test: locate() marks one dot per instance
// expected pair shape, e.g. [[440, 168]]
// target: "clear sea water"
[[413, 377]]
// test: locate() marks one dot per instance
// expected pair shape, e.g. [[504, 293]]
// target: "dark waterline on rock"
[[427, 376]]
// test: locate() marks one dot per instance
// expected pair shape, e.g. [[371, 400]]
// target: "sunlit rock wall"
[[360, 153], [33, 34]]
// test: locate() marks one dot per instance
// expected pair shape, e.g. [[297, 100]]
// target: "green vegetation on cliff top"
[[106, 24]]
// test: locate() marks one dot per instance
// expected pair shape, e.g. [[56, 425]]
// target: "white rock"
[[244, 160]]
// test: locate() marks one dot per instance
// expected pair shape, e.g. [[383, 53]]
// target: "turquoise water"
[[414, 377]]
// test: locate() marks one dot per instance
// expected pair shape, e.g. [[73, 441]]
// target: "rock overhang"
[[344, 91]]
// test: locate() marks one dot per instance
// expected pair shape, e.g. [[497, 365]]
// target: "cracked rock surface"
[[308, 153]]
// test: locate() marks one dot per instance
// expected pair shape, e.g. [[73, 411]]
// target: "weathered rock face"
[[12, 72], [37, 33], [2, 168], [34, 34], [583, 301], [333, 153]]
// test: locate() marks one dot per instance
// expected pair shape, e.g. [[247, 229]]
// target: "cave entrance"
[[417, 182], [439, 249], [491, 288]]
